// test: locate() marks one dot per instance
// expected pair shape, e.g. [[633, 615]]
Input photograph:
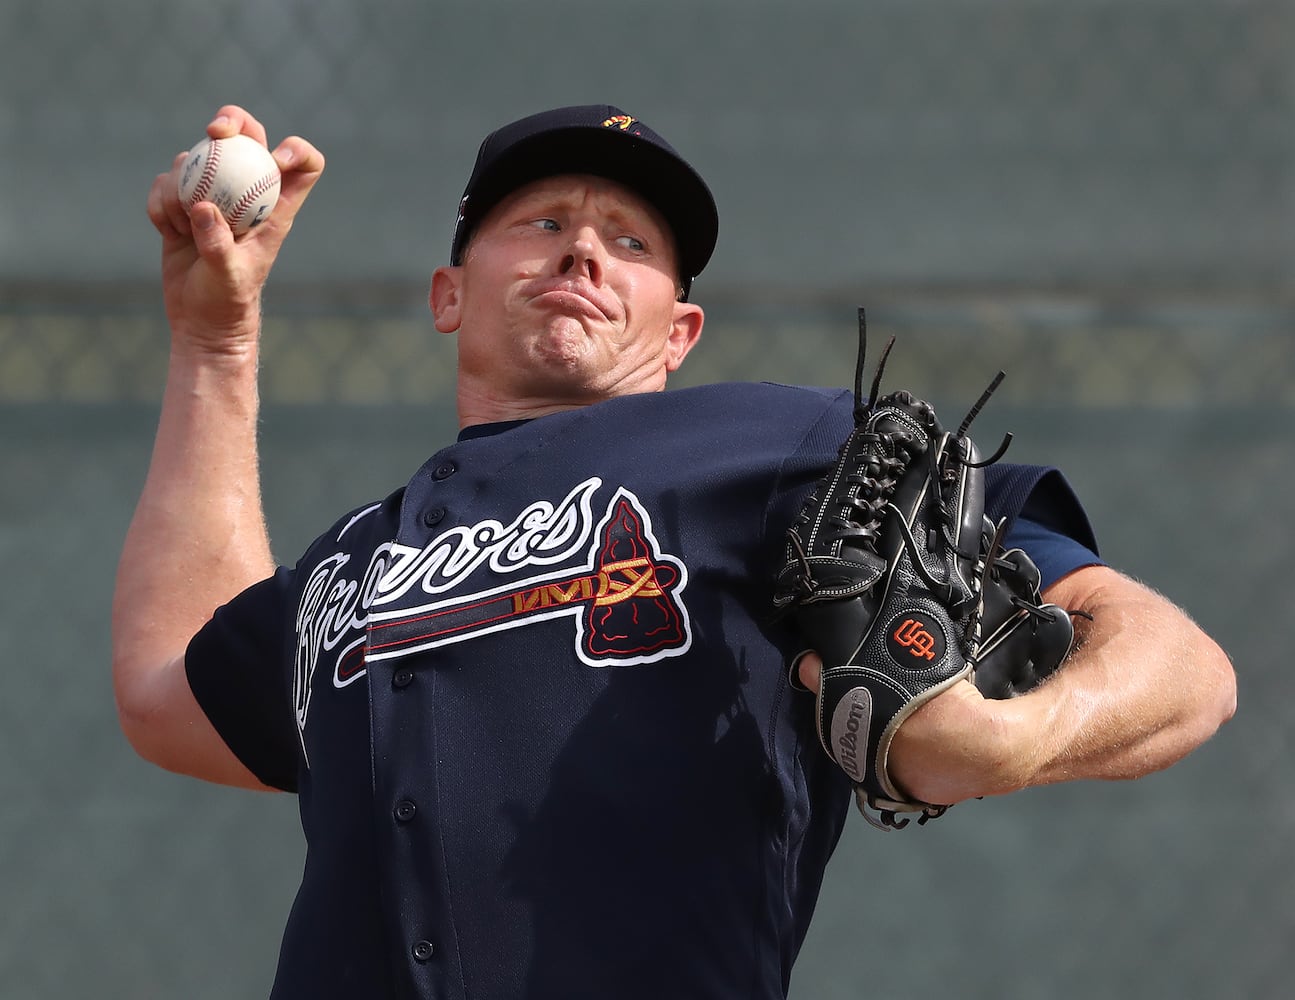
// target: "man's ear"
[[685, 331], [445, 298]]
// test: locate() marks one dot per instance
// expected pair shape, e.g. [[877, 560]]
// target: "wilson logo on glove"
[[851, 723], [916, 637]]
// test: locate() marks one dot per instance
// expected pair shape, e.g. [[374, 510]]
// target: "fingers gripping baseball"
[[212, 278]]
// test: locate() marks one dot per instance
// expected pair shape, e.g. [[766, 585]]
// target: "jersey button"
[[402, 678], [434, 516], [423, 950], [405, 810], [444, 470]]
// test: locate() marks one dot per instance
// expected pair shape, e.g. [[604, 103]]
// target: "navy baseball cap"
[[594, 139]]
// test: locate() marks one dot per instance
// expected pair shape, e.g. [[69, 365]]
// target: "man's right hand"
[[211, 281]]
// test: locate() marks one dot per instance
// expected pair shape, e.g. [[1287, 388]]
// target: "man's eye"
[[549, 224], [632, 243]]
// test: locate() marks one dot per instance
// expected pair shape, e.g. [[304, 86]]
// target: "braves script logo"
[[612, 580]]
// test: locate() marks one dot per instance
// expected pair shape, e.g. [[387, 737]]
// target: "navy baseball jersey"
[[535, 706]]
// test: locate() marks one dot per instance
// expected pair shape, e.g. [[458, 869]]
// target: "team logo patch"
[[622, 122], [915, 640], [624, 601]]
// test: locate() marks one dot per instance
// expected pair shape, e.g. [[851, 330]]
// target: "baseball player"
[[533, 701]]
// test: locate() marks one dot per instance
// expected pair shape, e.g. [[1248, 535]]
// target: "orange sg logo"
[[622, 122], [917, 640]]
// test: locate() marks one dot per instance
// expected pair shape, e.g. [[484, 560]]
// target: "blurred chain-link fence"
[[1097, 197], [369, 344]]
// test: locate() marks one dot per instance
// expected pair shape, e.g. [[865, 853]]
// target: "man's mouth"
[[574, 301]]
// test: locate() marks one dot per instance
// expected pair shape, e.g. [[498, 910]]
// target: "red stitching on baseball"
[[251, 196], [208, 174]]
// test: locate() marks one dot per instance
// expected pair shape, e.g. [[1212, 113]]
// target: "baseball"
[[238, 175]]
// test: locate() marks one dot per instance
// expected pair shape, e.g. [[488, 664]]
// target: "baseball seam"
[[251, 196], [208, 177]]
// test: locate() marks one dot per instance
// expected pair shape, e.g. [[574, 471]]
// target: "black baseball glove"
[[896, 579]]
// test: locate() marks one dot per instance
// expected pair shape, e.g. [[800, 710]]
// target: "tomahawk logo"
[[607, 574]]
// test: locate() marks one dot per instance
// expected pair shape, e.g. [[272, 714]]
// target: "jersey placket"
[[403, 740]]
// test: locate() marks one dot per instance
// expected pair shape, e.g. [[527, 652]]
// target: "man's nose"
[[585, 255]]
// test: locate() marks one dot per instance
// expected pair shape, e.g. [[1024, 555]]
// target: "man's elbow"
[[1220, 681], [145, 713], [140, 722], [1210, 699]]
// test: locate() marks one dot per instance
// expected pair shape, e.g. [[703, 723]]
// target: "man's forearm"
[[1143, 688], [198, 535]]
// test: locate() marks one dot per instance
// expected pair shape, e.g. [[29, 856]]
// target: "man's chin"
[[564, 342]]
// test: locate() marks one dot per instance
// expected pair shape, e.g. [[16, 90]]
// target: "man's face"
[[567, 294]]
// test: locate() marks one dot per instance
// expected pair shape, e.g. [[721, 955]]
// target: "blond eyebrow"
[[621, 212]]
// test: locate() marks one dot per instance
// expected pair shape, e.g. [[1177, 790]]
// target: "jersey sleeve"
[[237, 669], [1045, 519], [820, 420]]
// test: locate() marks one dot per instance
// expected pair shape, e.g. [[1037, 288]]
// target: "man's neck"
[[480, 406]]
